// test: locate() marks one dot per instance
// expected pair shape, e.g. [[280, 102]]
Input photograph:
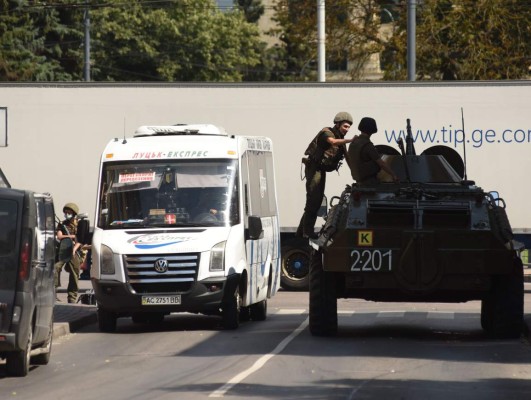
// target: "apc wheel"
[[323, 299], [106, 321], [44, 357], [230, 312], [295, 265], [18, 362], [259, 311], [502, 309]]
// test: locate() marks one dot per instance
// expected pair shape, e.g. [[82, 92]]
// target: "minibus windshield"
[[162, 194]]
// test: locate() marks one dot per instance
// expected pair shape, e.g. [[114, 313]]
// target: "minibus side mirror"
[[255, 230]]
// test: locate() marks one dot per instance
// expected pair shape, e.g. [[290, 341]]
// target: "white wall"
[[56, 133]]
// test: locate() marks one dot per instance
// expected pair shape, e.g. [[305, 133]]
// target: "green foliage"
[[465, 40], [192, 40], [189, 40], [37, 43], [185, 40], [351, 35], [252, 9]]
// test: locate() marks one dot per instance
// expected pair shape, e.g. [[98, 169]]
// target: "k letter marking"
[[364, 238]]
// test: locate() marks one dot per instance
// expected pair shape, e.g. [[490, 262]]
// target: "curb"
[[527, 329], [65, 328], [60, 329]]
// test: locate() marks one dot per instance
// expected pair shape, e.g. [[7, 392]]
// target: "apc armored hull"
[[431, 238]]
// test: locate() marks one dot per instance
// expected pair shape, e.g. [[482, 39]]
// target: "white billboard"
[[3, 126], [59, 131]]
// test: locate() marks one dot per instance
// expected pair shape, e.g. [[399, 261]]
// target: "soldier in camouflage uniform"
[[324, 154], [365, 161], [67, 230]]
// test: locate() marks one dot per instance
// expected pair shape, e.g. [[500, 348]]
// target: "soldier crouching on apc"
[[325, 153], [365, 161]]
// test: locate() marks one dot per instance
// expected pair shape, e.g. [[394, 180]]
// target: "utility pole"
[[411, 41], [86, 69], [321, 40]]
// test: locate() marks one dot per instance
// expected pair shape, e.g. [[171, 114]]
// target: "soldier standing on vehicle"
[[324, 154], [365, 161], [67, 231]]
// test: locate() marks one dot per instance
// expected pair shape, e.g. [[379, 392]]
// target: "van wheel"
[[295, 265], [18, 362], [44, 357], [323, 299], [230, 313], [259, 311], [106, 320]]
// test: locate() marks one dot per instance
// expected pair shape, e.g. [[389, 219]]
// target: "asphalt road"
[[382, 351]]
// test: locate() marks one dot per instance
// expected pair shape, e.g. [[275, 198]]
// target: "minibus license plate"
[[160, 300]]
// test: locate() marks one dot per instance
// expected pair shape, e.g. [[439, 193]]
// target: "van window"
[[270, 174], [50, 215], [170, 193], [258, 179], [45, 224], [8, 225]]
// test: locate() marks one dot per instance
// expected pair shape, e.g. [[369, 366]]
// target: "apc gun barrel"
[[410, 147], [400, 143]]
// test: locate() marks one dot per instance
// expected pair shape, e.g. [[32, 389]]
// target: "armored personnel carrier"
[[433, 237]]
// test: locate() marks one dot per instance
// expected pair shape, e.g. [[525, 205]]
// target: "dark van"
[[27, 293]]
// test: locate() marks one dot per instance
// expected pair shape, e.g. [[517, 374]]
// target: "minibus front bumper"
[[203, 297]]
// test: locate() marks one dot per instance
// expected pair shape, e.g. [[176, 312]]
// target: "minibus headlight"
[[217, 257], [106, 260]]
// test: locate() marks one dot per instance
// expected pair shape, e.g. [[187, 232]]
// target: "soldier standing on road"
[[67, 231], [365, 161], [325, 154]]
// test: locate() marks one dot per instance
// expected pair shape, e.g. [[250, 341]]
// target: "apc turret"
[[432, 237]]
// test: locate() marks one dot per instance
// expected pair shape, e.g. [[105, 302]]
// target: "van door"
[[43, 264], [258, 202], [10, 209]]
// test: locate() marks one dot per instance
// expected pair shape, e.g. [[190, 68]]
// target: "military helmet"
[[367, 125], [72, 206], [343, 116]]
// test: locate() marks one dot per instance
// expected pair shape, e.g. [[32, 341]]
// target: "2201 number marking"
[[371, 260]]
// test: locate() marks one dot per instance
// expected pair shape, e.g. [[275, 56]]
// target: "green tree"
[[351, 36], [252, 9], [464, 40], [35, 44], [189, 40], [185, 40]]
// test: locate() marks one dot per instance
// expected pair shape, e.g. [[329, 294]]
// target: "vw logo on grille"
[[161, 265]]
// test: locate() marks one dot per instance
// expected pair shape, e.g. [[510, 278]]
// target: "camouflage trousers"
[[72, 267], [315, 187]]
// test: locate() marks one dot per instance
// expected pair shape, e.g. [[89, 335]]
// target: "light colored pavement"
[[69, 318]]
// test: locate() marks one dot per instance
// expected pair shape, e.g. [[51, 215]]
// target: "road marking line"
[[259, 363], [343, 312], [441, 314], [390, 314], [291, 311]]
